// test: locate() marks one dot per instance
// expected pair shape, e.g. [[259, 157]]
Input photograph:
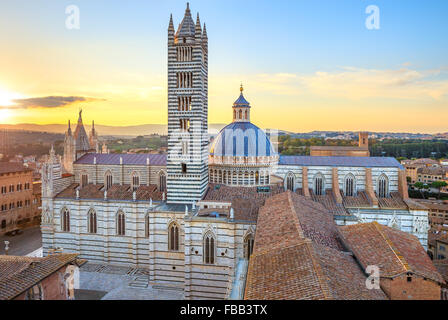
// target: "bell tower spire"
[[187, 163]]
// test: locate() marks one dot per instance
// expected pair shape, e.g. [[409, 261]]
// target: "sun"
[[7, 98], [5, 115]]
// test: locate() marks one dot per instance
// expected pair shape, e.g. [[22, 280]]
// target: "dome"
[[242, 139]]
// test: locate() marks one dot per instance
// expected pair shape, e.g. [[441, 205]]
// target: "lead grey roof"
[[381, 162], [128, 159]]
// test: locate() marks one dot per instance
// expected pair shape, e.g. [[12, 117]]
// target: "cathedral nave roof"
[[128, 159]]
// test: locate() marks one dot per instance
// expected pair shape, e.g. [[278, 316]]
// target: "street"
[[22, 244]]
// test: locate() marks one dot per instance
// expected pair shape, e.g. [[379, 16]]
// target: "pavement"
[[107, 282], [22, 244]]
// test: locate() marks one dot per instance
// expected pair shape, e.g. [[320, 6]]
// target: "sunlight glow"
[[5, 115], [6, 98]]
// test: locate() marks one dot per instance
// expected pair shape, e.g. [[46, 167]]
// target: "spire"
[[80, 117], [204, 33], [198, 29], [241, 101], [69, 131], [93, 125], [187, 26], [171, 25], [171, 30], [52, 153]]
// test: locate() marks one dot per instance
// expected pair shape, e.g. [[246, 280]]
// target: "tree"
[[420, 186], [438, 185]]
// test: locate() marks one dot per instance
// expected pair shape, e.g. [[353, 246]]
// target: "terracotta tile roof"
[[328, 200], [361, 199], [12, 167], [434, 171], [246, 201], [433, 204], [288, 216], [116, 192], [442, 267], [415, 205], [306, 271], [395, 201], [297, 255], [394, 251], [424, 161], [17, 274]]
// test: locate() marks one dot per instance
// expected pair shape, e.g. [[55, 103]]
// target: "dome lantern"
[[241, 108]]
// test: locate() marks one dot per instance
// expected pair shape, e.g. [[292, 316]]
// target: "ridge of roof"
[[295, 216], [397, 254]]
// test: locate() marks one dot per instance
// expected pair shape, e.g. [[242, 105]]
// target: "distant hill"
[[103, 130]]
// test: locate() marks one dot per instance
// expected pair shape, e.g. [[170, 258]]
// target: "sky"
[[305, 65]]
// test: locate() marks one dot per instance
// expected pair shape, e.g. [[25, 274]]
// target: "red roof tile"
[[394, 251]]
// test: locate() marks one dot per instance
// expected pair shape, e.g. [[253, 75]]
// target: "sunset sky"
[[305, 65]]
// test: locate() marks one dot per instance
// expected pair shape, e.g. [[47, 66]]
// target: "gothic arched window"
[[290, 181], [383, 186], [65, 220], [349, 185], [135, 181], [162, 181], [147, 226], [319, 185], [91, 221], [108, 180], [173, 237], [121, 223], [248, 245], [209, 248]]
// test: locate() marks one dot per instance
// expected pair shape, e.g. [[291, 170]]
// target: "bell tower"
[[187, 162]]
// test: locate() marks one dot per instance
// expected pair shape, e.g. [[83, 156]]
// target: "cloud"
[[353, 83], [358, 83], [48, 102]]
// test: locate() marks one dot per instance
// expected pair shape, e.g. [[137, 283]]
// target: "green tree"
[[438, 185], [420, 186]]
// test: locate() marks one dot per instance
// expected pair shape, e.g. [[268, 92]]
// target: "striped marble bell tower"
[[187, 164]]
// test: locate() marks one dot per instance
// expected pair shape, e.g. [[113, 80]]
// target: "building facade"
[[362, 150], [190, 216], [19, 198]]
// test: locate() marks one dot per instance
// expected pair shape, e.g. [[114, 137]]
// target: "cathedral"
[[190, 216]]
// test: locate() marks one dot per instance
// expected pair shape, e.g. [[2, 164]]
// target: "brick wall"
[[53, 287], [417, 289]]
